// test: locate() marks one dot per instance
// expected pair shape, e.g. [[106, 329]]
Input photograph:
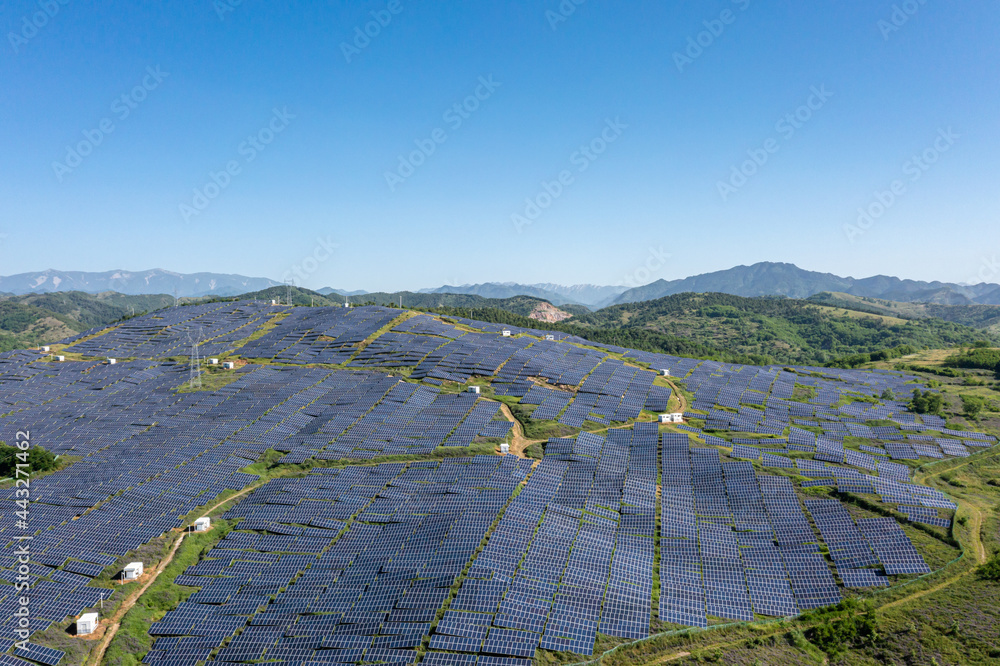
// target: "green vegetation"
[[38, 460], [974, 405], [974, 316], [926, 402], [977, 357], [780, 329], [847, 625], [133, 640], [34, 319], [991, 570]]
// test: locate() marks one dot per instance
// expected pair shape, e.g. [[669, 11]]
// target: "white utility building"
[[87, 624], [133, 570], [676, 417], [202, 524]]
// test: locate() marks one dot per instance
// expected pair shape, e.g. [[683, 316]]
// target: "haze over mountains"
[[154, 281], [762, 279]]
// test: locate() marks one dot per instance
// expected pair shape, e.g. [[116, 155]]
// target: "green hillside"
[[35, 319], [974, 316], [784, 330]]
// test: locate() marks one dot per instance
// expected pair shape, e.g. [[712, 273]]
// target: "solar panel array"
[[354, 564], [215, 327], [369, 557]]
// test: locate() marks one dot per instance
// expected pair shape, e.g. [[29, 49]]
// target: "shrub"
[[991, 570], [37, 458]]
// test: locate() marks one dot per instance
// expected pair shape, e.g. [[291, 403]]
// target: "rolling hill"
[[782, 329], [976, 316], [35, 319], [779, 279]]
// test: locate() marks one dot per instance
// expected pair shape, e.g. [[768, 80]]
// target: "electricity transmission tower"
[[194, 370]]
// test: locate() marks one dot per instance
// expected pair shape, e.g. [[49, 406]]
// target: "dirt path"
[[519, 442], [680, 396], [131, 600]]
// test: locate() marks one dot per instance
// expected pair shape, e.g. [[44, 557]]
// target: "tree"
[[888, 395], [926, 403], [973, 405], [37, 459]]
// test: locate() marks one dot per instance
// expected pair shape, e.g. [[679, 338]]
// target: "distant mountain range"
[[155, 281], [592, 296], [776, 279], [762, 279]]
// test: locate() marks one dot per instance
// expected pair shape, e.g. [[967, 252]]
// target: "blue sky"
[[650, 131]]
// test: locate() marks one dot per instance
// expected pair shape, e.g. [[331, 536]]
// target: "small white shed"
[[60, 359], [202, 524], [549, 336], [228, 365], [213, 361], [506, 333], [45, 348], [87, 624], [133, 570], [672, 418], [664, 372], [505, 448], [112, 361], [474, 389]]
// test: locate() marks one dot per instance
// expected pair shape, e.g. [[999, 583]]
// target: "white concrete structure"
[[87, 624], [549, 336], [274, 302], [473, 389], [672, 418], [112, 361], [133, 570], [45, 348], [506, 333], [213, 361], [60, 358], [228, 365], [202, 524], [505, 448], [664, 372]]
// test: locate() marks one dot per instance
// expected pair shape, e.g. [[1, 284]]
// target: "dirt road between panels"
[[519, 443], [133, 598], [680, 396]]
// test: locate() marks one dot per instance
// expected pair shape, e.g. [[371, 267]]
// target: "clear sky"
[[647, 112]]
